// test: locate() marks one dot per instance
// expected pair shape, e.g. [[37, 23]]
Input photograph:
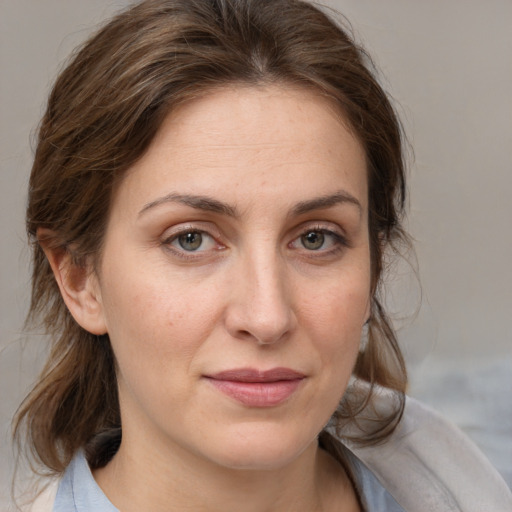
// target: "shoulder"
[[46, 498], [429, 464]]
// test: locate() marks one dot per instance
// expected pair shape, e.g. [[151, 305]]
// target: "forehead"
[[272, 138], [237, 113]]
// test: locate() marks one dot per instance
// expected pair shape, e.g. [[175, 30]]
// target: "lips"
[[255, 388]]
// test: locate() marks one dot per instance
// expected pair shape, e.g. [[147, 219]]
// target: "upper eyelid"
[[325, 226], [330, 232], [195, 226], [177, 234], [211, 229]]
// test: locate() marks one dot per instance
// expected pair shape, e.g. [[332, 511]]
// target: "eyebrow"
[[204, 203], [324, 202], [210, 204]]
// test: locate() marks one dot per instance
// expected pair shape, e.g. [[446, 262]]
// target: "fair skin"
[[238, 243]]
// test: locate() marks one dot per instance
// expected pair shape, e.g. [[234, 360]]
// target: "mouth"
[[256, 388]]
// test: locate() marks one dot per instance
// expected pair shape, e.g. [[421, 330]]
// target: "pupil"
[[313, 240], [190, 241]]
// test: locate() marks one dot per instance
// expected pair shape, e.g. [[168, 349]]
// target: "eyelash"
[[339, 242], [183, 253]]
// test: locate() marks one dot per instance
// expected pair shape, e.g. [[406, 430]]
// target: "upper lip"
[[254, 375]]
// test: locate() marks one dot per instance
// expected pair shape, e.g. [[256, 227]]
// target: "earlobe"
[[78, 284]]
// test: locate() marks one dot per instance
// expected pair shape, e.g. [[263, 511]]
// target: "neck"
[[139, 478]]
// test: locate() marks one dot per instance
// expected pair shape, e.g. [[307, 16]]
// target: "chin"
[[261, 449]]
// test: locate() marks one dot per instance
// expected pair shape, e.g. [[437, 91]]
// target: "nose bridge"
[[262, 307]]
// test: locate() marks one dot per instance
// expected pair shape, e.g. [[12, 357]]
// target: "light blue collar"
[[79, 492]]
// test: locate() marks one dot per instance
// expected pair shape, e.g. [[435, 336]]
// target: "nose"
[[261, 303]]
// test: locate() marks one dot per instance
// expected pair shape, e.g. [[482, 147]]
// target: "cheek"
[[339, 307], [334, 315], [154, 322], [155, 337]]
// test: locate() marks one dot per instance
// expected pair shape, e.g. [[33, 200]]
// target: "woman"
[[214, 189]]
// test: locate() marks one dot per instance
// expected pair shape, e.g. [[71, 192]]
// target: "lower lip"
[[258, 394]]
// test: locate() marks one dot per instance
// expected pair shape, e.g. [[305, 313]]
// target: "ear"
[[78, 284]]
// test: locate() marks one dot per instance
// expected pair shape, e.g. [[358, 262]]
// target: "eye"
[[313, 240], [191, 241], [319, 240]]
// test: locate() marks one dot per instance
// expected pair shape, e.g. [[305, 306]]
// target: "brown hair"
[[104, 110]]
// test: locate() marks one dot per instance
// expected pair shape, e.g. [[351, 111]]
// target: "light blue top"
[[425, 464], [79, 492]]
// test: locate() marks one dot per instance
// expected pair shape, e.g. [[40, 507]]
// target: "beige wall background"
[[448, 64]]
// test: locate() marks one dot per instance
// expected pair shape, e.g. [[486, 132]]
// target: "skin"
[[279, 169]]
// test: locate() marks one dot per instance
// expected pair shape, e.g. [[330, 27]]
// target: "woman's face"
[[235, 277]]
